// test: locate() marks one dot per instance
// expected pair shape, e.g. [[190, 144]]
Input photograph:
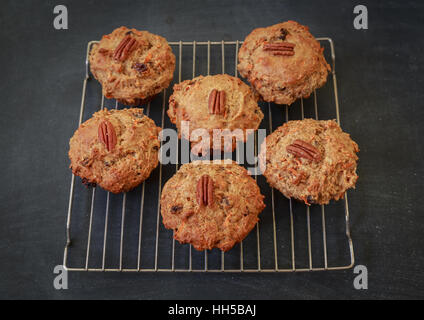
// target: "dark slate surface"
[[380, 86]]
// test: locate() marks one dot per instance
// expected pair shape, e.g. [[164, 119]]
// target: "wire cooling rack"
[[123, 233]]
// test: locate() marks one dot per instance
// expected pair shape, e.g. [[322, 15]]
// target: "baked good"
[[132, 66], [310, 160], [214, 102], [211, 204], [283, 62], [116, 149]]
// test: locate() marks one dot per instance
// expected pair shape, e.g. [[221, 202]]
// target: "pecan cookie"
[[116, 149], [211, 204], [214, 102], [132, 66], [283, 62], [310, 160]]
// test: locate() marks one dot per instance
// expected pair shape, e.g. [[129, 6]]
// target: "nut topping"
[[107, 135], [204, 192], [303, 149], [217, 102], [280, 48], [124, 48]]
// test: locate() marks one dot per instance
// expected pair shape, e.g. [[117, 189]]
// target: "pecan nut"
[[107, 135], [124, 48], [217, 102], [280, 48], [204, 192], [303, 149]]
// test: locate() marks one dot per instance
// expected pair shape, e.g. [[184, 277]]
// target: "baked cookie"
[[310, 160], [132, 66], [214, 102], [283, 62], [116, 149], [211, 204]]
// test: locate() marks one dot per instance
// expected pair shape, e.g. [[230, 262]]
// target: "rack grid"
[[253, 254]]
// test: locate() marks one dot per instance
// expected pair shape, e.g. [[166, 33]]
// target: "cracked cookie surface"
[[132, 66], [235, 107], [283, 62], [310, 160], [116, 149], [217, 215]]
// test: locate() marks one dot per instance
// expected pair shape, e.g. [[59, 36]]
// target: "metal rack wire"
[[99, 215]]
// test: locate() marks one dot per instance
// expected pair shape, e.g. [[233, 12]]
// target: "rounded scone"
[[211, 204], [310, 160], [116, 149], [235, 107], [283, 62], [132, 66]]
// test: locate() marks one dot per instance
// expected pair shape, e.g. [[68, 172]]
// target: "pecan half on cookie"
[[204, 192], [107, 135]]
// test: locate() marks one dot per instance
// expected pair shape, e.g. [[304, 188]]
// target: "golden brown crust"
[[132, 72], [283, 78], [130, 160], [313, 161], [190, 102], [233, 212]]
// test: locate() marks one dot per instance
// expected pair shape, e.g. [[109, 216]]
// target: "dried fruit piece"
[[284, 32], [176, 208], [140, 67], [87, 183], [107, 135], [204, 191], [303, 149]]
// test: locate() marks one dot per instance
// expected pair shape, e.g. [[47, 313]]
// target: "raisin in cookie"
[[211, 204], [283, 62], [116, 149], [214, 102], [310, 160], [132, 66]]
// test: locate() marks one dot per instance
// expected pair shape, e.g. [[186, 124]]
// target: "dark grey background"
[[381, 96]]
